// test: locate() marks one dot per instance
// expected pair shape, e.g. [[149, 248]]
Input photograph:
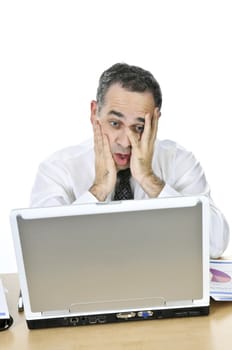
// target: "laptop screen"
[[116, 260]]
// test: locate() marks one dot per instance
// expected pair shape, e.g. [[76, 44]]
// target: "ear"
[[93, 108], [157, 112]]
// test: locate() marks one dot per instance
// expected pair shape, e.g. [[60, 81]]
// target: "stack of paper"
[[4, 314], [221, 279]]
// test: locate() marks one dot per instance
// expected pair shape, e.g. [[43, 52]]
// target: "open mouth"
[[121, 158]]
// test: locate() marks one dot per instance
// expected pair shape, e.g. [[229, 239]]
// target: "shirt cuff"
[[86, 197], [169, 191]]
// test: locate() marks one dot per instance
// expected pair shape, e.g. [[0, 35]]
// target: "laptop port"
[[101, 319], [92, 319], [145, 314], [126, 315], [84, 320], [74, 321], [194, 313]]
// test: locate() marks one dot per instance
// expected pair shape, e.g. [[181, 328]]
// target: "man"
[[125, 120]]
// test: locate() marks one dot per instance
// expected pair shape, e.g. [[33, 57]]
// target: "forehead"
[[131, 102]]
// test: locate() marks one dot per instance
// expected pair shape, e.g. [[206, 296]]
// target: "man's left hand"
[[142, 154]]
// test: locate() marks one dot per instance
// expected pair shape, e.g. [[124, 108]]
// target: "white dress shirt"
[[65, 178]]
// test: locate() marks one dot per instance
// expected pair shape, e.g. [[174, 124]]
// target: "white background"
[[51, 56]]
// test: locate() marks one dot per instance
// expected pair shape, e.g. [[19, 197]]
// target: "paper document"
[[221, 279], [4, 314]]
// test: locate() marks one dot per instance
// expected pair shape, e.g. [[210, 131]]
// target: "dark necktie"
[[123, 188]]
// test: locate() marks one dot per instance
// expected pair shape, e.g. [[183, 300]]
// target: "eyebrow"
[[120, 115]]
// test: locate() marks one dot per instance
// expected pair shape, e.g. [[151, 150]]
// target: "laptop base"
[[117, 317]]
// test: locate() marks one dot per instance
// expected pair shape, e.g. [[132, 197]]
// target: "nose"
[[123, 140]]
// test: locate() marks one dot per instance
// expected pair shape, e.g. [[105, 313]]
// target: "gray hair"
[[132, 78]]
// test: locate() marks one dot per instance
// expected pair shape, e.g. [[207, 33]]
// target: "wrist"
[[98, 192], [152, 185]]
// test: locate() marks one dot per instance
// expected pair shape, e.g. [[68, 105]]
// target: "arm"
[[54, 186], [190, 180], [51, 186]]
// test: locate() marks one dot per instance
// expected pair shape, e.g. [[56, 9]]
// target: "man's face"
[[123, 110]]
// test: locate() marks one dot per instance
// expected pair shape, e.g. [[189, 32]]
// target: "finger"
[[157, 113], [134, 139], [147, 127], [106, 144], [108, 158], [106, 147], [98, 140], [155, 121]]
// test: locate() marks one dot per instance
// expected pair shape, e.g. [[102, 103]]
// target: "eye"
[[139, 129], [114, 123]]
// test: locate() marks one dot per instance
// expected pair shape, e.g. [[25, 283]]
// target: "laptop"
[[113, 262]]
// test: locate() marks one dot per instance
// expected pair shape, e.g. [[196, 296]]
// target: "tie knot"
[[124, 175]]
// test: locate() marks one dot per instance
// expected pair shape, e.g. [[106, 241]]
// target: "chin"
[[122, 167]]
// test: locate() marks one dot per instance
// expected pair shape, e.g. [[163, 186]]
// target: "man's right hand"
[[105, 169]]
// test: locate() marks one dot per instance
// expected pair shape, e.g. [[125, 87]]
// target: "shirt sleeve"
[[52, 186], [86, 197], [169, 191], [187, 178]]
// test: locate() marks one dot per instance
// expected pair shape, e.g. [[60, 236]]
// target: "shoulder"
[[166, 144], [172, 153], [170, 146]]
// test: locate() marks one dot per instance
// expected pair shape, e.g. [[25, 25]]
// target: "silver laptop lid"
[[96, 258]]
